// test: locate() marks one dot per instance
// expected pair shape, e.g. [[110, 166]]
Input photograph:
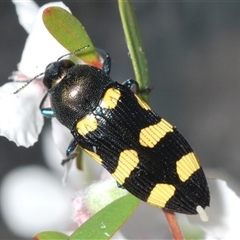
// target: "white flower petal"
[[61, 136], [51, 150], [223, 213], [118, 236], [33, 200], [21, 120], [54, 153], [41, 48], [26, 11]]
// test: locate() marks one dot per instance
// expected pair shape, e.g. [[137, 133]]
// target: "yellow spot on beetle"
[[142, 103], [94, 156], [186, 166], [151, 135], [87, 124], [127, 162], [110, 98], [161, 194]]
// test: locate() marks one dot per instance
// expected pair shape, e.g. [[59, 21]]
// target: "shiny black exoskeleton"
[[145, 153]]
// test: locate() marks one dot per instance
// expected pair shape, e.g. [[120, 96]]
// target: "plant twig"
[[173, 225]]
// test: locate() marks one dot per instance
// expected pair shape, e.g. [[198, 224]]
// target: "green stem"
[[135, 45]]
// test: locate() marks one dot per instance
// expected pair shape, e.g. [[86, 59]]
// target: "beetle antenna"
[[73, 52], [29, 81], [67, 54]]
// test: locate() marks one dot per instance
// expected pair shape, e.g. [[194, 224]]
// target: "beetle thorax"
[[78, 93]]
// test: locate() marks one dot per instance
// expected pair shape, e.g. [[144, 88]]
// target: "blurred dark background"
[[193, 52]]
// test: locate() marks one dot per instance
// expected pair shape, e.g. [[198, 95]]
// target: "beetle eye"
[[47, 82], [66, 63], [54, 70]]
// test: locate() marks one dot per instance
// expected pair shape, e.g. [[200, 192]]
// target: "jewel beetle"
[[143, 152]]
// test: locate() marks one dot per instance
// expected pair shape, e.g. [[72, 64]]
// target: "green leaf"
[[50, 235], [134, 44], [70, 33], [105, 223]]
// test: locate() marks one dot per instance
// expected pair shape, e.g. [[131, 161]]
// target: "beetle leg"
[[46, 112], [106, 67], [69, 152], [73, 144], [130, 82], [120, 186]]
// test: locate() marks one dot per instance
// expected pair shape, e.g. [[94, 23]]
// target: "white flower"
[[33, 200], [41, 48], [89, 200], [223, 213], [22, 121]]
